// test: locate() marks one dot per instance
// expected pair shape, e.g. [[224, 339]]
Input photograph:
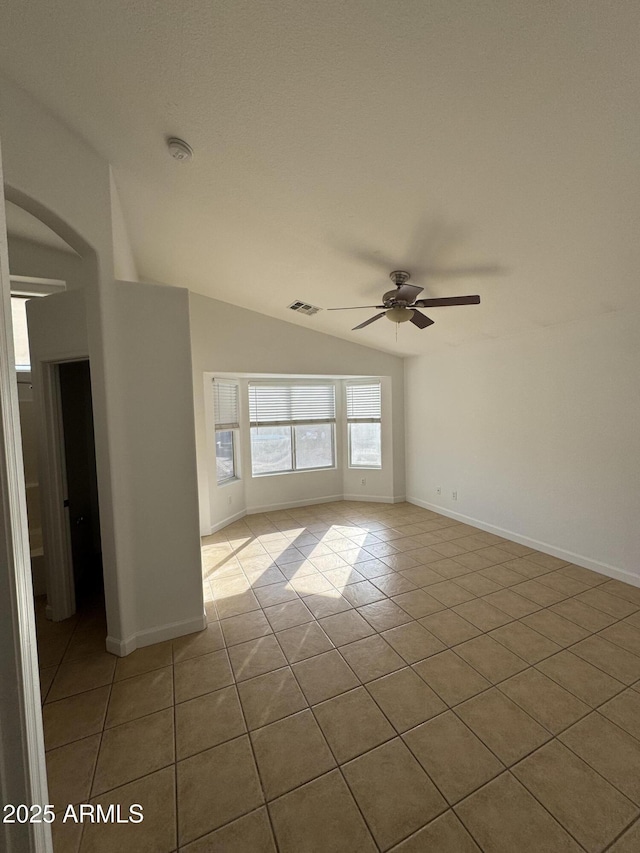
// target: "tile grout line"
[[310, 708], [595, 769], [338, 766], [95, 768], [636, 820], [452, 648], [553, 737], [175, 751], [59, 664], [394, 572], [396, 734], [265, 803], [531, 794], [400, 736]]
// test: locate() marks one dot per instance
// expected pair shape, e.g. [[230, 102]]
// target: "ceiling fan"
[[400, 305]]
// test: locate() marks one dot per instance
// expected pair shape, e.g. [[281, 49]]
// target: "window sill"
[[296, 471], [228, 482]]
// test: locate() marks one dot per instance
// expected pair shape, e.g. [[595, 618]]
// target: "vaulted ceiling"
[[487, 147]]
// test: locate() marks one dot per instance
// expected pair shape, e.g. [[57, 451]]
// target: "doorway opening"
[[81, 500], [45, 255]]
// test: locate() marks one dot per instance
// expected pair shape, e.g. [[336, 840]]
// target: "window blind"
[[226, 405], [286, 404], [364, 402]]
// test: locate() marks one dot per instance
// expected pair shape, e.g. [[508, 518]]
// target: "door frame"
[[61, 597], [23, 773]]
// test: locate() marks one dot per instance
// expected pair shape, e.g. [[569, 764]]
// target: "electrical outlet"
[[363, 481], [230, 500], [454, 496], [438, 491]]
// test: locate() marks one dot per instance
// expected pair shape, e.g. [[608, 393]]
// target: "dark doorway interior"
[[82, 482]]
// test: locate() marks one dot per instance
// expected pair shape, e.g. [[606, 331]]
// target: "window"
[[292, 427], [364, 425], [24, 288], [20, 332], [226, 413]]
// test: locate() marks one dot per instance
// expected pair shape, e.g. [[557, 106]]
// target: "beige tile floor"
[[372, 677]]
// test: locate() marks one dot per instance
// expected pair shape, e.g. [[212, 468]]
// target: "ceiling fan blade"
[[408, 292], [370, 320], [421, 321], [354, 307], [448, 300]]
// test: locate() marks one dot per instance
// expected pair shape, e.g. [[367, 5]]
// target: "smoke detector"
[[179, 149], [304, 308]]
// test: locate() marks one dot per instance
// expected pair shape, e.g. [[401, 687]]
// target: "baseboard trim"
[[379, 499], [253, 510], [121, 648], [149, 636], [578, 559], [229, 520]]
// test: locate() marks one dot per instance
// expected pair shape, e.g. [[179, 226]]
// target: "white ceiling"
[[336, 141]]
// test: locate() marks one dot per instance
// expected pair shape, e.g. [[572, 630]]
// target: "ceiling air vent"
[[304, 308]]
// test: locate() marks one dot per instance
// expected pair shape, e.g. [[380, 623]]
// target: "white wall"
[[159, 450], [124, 264], [57, 331], [538, 433], [232, 340], [58, 327], [34, 259], [28, 433], [57, 177], [29, 436]]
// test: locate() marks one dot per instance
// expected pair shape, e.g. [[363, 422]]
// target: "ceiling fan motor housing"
[[390, 299], [399, 277]]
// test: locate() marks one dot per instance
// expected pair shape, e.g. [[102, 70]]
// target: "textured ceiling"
[[336, 141]]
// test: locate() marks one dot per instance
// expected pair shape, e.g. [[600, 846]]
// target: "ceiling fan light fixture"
[[399, 314]]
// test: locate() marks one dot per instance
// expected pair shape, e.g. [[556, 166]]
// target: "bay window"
[[292, 427], [227, 417], [364, 424]]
